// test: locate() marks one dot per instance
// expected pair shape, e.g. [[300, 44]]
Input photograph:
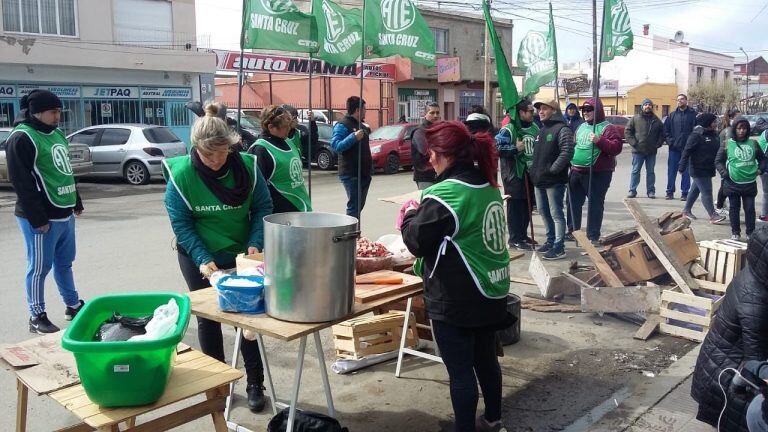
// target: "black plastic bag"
[[121, 328], [306, 421]]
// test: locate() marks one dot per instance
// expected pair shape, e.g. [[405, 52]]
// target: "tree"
[[714, 97]]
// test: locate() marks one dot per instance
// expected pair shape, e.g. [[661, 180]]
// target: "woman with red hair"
[[459, 235]]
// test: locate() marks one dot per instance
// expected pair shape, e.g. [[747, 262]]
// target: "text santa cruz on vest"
[[214, 208]]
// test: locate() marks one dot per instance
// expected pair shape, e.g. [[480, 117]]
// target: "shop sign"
[[7, 90], [60, 91], [166, 93], [106, 109], [149, 113], [448, 69], [111, 92], [160, 112]]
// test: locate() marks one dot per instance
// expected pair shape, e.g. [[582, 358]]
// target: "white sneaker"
[[736, 237], [722, 211]]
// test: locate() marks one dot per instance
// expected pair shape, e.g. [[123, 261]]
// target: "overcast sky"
[[715, 25]]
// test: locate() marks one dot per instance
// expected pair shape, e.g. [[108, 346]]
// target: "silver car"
[[79, 158], [129, 151]]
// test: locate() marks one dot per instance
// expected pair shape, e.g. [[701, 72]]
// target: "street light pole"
[[746, 96]]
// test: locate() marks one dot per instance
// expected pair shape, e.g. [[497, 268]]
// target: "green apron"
[[581, 152], [288, 175], [741, 163], [52, 165]]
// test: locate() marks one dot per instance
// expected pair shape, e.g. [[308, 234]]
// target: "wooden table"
[[205, 304]]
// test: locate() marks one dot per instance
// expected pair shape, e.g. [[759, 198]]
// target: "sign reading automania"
[[286, 65]]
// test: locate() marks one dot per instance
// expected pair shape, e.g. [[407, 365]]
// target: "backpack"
[[305, 421]]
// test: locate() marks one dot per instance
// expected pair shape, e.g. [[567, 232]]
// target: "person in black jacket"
[[350, 142], [699, 159], [37, 154], [423, 173], [678, 125], [552, 153], [458, 234], [739, 333]]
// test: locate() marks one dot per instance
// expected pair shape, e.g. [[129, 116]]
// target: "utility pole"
[[746, 96], [487, 98]]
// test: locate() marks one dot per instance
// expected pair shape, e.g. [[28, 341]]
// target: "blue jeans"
[[755, 421], [764, 184], [685, 180], [350, 187], [650, 172], [701, 185], [549, 201], [54, 249]]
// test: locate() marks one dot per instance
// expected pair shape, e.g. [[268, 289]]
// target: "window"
[[441, 40], [638, 109], [114, 136], [726, 75], [159, 135], [714, 75], [143, 22], [85, 137], [699, 74], [664, 110], [51, 17]]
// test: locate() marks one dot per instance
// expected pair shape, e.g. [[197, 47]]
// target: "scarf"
[[235, 196]]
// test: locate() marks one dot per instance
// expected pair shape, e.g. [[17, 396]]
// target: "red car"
[[391, 147], [618, 121]]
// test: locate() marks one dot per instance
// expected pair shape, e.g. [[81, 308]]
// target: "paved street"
[[125, 245]]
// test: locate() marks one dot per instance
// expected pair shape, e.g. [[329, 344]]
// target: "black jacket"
[[31, 201], [700, 152], [739, 333], [552, 153], [422, 170], [451, 294], [348, 159], [267, 167], [644, 133], [678, 126]]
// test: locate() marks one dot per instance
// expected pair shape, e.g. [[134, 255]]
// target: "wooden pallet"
[[368, 335], [671, 297], [723, 259]]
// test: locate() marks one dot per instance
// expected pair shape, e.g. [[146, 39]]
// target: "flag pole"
[[240, 73], [309, 124], [360, 127], [595, 94]]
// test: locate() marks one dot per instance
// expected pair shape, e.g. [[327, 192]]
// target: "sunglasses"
[[587, 109]]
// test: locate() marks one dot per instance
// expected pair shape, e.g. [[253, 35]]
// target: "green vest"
[[528, 135], [763, 140], [221, 227], [480, 236], [52, 165], [288, 175], [295, 141], [581, 153], [741, 164]]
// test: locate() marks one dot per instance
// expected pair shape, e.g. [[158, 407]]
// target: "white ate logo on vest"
[[295, 170], [397, 15], [60, 157], [494, 228], [744, 153]]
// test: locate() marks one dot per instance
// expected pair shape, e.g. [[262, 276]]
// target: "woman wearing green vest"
[[459, 235], [279, 161], [739, 162], [762, 141], [216, 200]]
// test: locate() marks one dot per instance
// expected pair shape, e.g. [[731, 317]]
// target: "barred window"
[[51, 17]]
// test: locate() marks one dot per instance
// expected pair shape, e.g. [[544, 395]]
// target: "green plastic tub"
[[116, 374]]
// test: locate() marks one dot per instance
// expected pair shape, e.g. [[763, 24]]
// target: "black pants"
[[578, 184], [470, 357], [209, 332], [518, 219], [720, 197], [748, 202]]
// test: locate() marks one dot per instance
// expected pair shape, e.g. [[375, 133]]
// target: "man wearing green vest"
[[597, 147], [515, 147], [37, 153], [739, 162]]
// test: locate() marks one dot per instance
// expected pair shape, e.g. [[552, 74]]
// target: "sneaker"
[[521, 246], [256, 399], [569, 237], [652, 195], [40, 324], [71, 312], [722, 211], [689, 215], [736, 237], [669, 197], [716, 219], [555, 253], [531, 241], [684, 198], [631, 194], [544, 248], [483, 425]]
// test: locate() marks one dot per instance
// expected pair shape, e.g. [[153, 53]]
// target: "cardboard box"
[[243, 261], [635, 262]]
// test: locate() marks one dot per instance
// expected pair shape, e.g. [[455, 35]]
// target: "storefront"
[[467, 98], [89, 105], [411, 102]]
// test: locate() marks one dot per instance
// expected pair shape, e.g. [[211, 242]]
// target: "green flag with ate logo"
[[507, 88], [617, 30], [395, 27], [538, 55], [278, 25], [339, 32]]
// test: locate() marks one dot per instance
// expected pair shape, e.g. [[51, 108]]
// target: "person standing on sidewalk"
[[739, 163], [552, 153], [677, 127], [515, 147], [572, 117], [762, 141], [645, 134], [37, 154], [350, 142], [423, 173], [606, 141], [699, 159], [725, 134]]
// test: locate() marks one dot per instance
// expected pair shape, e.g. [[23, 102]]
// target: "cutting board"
[[366, 293]]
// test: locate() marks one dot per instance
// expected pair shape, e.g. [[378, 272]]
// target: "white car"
[[129, 151], [79, 157]]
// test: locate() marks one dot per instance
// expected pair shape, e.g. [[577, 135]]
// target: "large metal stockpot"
[[310, 266]]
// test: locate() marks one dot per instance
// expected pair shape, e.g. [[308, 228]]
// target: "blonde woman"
[[280, 161], [216, 199]]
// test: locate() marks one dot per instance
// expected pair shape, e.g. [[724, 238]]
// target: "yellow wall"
[[660, 94]]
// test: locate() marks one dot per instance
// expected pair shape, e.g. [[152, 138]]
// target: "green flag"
[[278, 25], [507, 88], [395, 27], [617, 31], [339, 31], [538, 55]]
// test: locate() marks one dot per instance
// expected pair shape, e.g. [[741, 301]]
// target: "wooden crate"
[[368, 335], [723, 259], [670, 298]]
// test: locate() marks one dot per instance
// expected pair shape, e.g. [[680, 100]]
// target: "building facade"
[[110, 61]]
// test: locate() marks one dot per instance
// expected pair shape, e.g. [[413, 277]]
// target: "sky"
[[715, 25]]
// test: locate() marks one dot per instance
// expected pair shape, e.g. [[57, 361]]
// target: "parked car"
[[79, 157], [322, 155], [129, 151], [391, 147], [618, 121]]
